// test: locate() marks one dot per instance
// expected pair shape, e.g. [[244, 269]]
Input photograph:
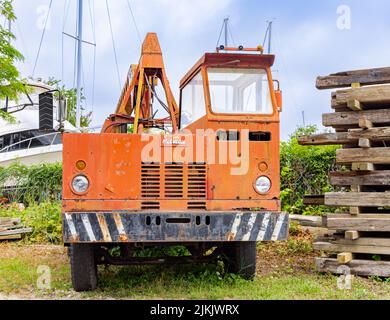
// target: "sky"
[[309, 38]]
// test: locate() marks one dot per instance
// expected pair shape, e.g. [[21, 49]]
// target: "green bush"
[[305, 171], [44, 219], [35, 184]]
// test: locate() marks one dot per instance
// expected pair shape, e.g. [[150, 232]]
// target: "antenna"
[[268, 34], [226, 26]]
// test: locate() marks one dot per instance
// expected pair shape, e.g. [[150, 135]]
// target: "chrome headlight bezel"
[[80, 184], [263, 185]]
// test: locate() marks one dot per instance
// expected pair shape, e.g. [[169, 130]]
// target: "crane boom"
[[135, 105]]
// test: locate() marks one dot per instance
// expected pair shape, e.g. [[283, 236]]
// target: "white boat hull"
[[32, 156]]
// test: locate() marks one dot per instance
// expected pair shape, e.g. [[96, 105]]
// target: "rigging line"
[[75, 57], [62, 41], [43, 35], [113, 45], [134, 21], [231, 35], [220, 34], [25, 48]]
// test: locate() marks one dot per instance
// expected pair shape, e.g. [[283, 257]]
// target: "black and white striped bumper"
[[130, 227]]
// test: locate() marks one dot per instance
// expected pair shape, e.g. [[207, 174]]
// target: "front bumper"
[[202, 226]]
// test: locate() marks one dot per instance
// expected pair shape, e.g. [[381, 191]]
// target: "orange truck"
[[204, 174]]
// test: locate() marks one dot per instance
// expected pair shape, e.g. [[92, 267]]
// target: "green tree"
[[71, 96], [305, 171], [10, 83]]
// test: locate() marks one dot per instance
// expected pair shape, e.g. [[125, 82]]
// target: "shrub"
[[44, 219], [35, 184], [305, 171]]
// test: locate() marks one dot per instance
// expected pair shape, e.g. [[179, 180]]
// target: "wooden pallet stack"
[[11, 229], [361, 119]]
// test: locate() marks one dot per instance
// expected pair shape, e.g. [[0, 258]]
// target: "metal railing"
[[29, 141]]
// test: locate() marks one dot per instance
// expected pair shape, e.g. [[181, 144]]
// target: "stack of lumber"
[[361, 120], [11, 229]]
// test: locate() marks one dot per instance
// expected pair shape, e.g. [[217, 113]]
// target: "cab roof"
[[234, 60]]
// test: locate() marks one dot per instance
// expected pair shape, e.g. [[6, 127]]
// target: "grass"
[[285, 271]]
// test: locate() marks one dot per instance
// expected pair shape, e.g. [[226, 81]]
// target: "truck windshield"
[[239, 91]]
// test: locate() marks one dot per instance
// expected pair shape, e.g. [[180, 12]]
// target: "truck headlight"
[[80, 184], [263, 185]]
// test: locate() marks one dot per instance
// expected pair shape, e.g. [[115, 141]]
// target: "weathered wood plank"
[[352, 235], [340, 119], [338, 138], [363, 167], [17, 231], [362, 222], [314, 200], [372, 155], [344, 257], [11, 237], [332, 247], [368, 96], [349, 178], [346, 78], [308, 221], [358, 199], [373, 134], [357, 267], [9, 221]]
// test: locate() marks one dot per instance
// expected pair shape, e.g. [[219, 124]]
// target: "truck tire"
[[83, 267], [240, 259]]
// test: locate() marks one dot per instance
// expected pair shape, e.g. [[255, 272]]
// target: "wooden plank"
[[365, 124], [331, 247], [357, 199], [368, 96], [350, 119], [373, 134], [8, 221], [344, 257], [11, 237], [17, 231], [364, 143], [346, 78], [308, 221], [372, 155], [354, 105], [352, 235], [339, 239], [349, 178], [314, 200], [363, 167], [362, 222], [338, 138], [364, 268]]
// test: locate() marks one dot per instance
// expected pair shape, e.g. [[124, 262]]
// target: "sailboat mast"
[[79, 60]]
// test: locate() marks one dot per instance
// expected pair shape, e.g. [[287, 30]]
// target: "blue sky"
[[306, 40]]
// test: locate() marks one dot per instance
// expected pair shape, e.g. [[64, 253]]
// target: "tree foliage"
[[305, 171], [71, 96], [10, 83]]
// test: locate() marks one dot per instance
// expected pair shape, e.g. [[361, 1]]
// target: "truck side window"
[[192, 101]]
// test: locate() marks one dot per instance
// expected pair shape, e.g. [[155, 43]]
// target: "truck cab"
[[205, 178]]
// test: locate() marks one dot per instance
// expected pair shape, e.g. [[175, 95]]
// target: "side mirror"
[[279, 100], [62, 109]]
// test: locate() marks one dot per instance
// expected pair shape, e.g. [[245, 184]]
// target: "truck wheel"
[[240, 258], [83, 267]]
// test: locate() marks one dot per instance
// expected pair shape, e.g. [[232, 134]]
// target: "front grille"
[[150, 180], [174, 181], [196, 181]]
